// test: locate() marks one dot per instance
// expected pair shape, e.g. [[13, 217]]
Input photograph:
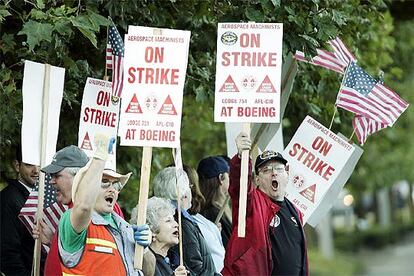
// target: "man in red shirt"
[[275, 242]]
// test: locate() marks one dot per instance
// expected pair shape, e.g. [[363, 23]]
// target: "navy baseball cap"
[[212, 166], [267, 156], [71, 156]]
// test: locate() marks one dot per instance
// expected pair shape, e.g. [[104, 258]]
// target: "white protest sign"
[[99, 114], [33, 85], [154, 73], [248, 70], [316, 158], [333, 192], [267, 135]]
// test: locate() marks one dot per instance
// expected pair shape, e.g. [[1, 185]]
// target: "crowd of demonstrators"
[[165, 234], [196, 254], [17, 243], [93, 237], [213, 172], [209, 230], [275, 242]]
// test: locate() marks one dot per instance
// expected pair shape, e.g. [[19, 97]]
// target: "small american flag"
[[364, 126], [375, 105], [109, 56], [52, 209], [341, 52], [118, 60], [363, 95], [336, 61]]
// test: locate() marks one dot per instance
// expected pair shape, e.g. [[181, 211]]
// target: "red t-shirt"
[[52, 266]]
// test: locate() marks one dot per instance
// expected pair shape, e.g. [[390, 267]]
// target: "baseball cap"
[[70, 156], [267, 156], [212, 166]]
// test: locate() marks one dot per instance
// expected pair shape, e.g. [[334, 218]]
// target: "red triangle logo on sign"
[[133, 106], [266, 86], [168, 107], [229, 85], [86, 144], [309, 193]]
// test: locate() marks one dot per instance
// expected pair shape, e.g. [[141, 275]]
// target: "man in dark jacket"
[[275, 242], [17, 243]]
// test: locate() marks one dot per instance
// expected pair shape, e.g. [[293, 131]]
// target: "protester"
[[275, 242], [63, 168], [165, 234], [94, 240], [17, 243], [210, 231], [197, 256], [214, 184]]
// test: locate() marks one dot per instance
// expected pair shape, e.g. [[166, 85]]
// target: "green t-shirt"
[[72, 241]]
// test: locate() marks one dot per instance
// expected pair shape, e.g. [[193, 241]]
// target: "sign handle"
[[143, 198], [41, 194], [222, 209], [241, 231]]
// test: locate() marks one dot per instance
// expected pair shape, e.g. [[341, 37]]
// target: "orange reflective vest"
[[100, 255]]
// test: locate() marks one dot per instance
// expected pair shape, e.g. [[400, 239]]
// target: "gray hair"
[[157, 208], [72, 170], [165, 184]]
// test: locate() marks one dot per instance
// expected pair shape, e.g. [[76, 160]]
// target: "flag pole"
[[333, 117], [352, 135], [106, 49]]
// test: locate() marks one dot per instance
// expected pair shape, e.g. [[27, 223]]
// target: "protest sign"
[[316, 158], [248, 69], [33, 87], [42, 96], [267, 135], [154, 73], [332, 194], [99, 114]]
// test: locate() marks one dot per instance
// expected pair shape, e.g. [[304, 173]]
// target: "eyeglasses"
[[270, 168], [105, 184]]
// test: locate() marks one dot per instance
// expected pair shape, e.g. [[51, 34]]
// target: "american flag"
[[108, 56], [375, 105], [118, 60], [341, 52], [363, 95], [52, 209], [364, 126], [336, 61]]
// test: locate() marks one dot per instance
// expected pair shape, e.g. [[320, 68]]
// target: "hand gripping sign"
[[99, 114], [317, 160], [248, 73], [155, 66]]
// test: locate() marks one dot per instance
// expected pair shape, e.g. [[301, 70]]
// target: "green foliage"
[[73, 35]]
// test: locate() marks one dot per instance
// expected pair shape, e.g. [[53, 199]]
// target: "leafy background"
[[72, 34]]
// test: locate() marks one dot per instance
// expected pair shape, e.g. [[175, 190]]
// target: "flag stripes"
[[341, 52]]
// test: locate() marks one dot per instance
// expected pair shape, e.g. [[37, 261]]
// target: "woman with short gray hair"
[[197, 256], [160, 218]]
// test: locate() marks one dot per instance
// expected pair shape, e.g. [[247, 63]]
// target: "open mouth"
[[275, 184], [176, 233], [109, 199]]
